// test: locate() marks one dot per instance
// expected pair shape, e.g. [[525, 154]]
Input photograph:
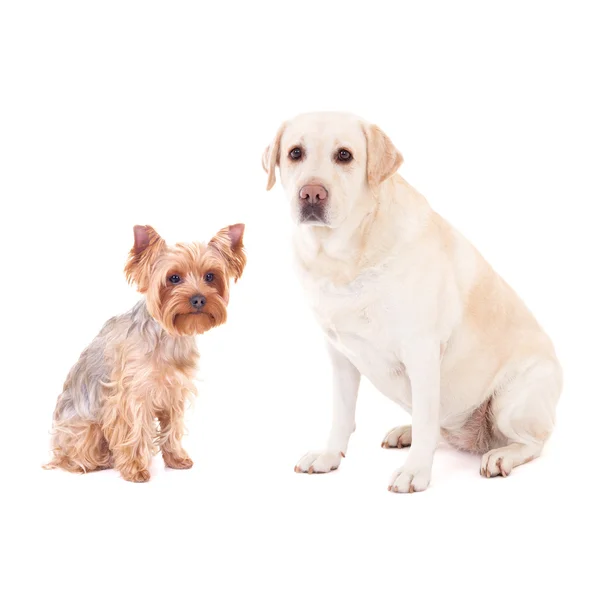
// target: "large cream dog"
[[405, 300]]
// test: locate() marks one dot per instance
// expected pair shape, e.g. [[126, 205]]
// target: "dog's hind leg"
[[523, 412], [79, 446], [399, 437]]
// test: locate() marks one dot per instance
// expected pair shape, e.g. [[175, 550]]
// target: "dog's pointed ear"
[[147, 245], [230, 244], [270, 157], [383, 158]]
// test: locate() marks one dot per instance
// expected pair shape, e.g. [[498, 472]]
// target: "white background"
[[117, 113]]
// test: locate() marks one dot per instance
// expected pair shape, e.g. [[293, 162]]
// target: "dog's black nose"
[[198, 301]]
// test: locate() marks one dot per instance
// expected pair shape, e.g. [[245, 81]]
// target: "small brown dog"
[[140, 367]]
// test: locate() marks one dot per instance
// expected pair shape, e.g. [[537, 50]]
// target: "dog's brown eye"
[[344, 155], [296, 153], [209, 277], [175, 279]]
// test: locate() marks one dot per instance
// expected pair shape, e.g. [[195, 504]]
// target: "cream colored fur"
[[406, 301]]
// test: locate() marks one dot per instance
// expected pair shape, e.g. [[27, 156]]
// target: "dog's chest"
[[364, 322], [172, 369]]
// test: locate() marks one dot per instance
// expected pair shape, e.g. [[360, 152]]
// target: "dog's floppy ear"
[[147, 245], [383, 159], [270, 157], [230, 244]]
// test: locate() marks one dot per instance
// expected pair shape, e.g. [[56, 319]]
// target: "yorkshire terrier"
[[125, 397]]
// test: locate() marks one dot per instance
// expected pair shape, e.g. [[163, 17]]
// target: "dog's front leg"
[[346, 379], [172, 427], [128, 426], [422, 362]]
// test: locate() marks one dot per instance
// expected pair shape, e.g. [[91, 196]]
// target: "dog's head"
[[186, 285], [327, 162]]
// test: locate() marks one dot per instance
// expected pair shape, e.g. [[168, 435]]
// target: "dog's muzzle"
[[313, 200]]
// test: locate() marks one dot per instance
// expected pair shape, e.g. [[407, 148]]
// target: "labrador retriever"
[[406, 301]]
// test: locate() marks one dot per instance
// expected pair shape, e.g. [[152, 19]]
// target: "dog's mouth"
[[312, 214], [194, 323], [194, 314]]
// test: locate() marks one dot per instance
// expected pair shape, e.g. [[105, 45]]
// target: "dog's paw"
[[175, 461], [399, 437], [407, 480], [496, 462], [319, 462], [136, 476]]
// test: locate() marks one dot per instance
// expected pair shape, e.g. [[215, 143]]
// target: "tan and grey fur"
[[132, 351], [125, 397]]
